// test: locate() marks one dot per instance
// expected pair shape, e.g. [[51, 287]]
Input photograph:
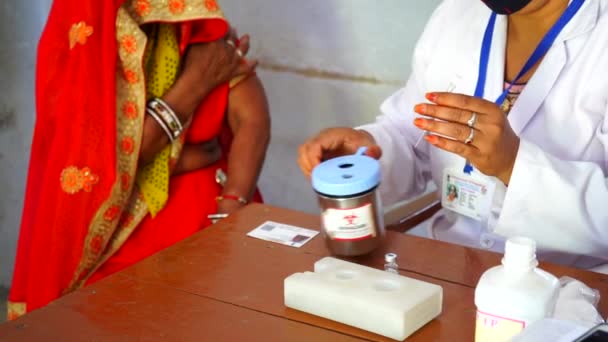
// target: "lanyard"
[[541, 50]]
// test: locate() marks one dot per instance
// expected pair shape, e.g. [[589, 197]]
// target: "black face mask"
[[506, 6]]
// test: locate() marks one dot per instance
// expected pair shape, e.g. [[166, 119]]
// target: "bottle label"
[[350, 224], [495, 328]]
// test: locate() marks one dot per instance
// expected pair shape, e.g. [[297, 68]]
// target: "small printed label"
[[490, 328], [283, 233], [350, 224]]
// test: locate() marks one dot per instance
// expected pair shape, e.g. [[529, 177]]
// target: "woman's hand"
[[206, 66], [335, 142], [211, 64], [494, 146]]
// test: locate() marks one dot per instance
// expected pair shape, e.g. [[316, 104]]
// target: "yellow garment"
[[161, 61]]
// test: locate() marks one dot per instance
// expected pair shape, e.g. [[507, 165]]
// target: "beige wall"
[[20, 24], [324, 63]]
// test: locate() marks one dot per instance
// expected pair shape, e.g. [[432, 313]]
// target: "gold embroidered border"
[[171, 11], [112, 226], [130, 88], [15, 310], [133, 216], [137, 209]]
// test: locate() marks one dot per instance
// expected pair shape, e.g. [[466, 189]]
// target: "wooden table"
[[220, 285]]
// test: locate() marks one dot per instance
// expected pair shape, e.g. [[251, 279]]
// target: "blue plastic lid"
[[347, 175]]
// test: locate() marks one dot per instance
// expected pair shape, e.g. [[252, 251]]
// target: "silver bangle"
[[160, 122], [171, 112], [216, 217], [168, 116]]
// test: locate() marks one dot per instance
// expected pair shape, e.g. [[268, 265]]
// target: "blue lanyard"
[[537, 55]]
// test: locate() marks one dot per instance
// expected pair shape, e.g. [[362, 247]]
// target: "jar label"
[[495, 328], [350, 224]]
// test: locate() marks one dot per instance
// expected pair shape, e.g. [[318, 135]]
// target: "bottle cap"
[[347, 176], [390, 257], [520, 252]]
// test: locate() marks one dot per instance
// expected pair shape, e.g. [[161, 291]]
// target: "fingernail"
[[433, 140], [420, 109], [431, 97], [419, 123]]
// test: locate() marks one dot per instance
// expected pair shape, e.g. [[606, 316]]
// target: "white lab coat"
[[558, 193]]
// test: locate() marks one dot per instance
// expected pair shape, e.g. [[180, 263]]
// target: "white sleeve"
[[563, 205], [405, 161], [405, 168]]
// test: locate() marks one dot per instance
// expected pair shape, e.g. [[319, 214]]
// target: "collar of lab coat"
[[548, 72]]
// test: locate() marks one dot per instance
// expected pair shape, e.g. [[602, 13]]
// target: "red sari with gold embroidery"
[[83, 216]]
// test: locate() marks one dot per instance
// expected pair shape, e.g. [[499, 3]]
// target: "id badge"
[[468, 195]]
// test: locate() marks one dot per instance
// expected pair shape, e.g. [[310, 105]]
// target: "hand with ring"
[[232, 39], [216, 62], [475, 129]]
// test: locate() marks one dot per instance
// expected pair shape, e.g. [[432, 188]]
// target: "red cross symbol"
[[351, 218]]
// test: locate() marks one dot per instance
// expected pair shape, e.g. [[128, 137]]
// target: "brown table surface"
[[220, 285]]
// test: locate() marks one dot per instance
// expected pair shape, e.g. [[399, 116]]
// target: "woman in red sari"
[[108, 184]]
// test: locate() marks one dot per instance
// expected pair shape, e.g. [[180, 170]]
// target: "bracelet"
[[169, 110], [216, 217], [160, 122], [168, 116], [231, 197], [220, 177]]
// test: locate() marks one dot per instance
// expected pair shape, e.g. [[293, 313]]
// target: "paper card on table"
[[283, 233]]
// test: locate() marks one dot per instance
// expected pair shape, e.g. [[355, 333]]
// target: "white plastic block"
[[374, 300]]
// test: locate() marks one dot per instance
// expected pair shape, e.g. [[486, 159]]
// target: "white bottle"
[[513, 296]]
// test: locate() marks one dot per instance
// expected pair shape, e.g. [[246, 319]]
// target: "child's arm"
[[249, 120]]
